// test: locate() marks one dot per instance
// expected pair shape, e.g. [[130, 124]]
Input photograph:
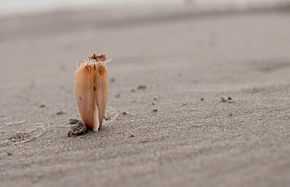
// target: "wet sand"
[[214, 109]]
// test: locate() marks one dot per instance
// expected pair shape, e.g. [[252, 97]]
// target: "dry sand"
[[187, 65]]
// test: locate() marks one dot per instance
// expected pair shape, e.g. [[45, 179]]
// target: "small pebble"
[[42, 106], [155, 110], [202, 99], [9, 154], [133, 90], [153, 104], [124, 113], [230, 114], [142, 87], [73, 121], [60, 113], [118, 95], [131, 136], [155, 98], [223, 99], [227, 100]]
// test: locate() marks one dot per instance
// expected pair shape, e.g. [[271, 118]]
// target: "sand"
[[176, 131]]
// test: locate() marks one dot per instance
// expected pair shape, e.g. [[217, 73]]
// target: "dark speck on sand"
[[42, 106], [226, 99], [60, 113], [142, 87], [131, 136], [73, 121]]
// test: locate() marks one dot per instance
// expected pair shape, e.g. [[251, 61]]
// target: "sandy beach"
[[195, 100]]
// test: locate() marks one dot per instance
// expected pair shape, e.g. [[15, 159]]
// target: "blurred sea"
[[16, 6]]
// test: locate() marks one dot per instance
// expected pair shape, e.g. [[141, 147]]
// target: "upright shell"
[[91, 90]]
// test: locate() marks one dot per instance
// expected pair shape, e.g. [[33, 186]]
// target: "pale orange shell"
[[91, 92]]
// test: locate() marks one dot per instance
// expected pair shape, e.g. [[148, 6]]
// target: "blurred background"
[[200, 89], [12, 6]]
